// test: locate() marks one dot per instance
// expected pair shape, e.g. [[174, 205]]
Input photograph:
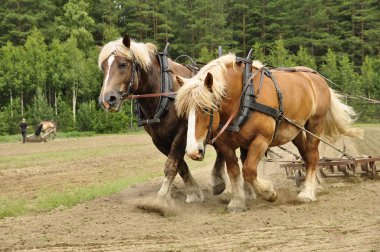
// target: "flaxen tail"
[[339, 119]]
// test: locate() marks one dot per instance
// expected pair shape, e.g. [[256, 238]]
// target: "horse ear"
[[179, 80], [127, 41], [209, 81]]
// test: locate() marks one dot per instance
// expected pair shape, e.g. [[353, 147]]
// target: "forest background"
[[48, 49]]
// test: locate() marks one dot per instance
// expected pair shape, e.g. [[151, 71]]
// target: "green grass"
[[367, 124], [12, 207], [46, 158], [45, 199], [69, 134], [49, 200], [10, 138]]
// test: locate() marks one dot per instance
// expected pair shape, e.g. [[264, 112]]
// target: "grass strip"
[[48, 201], [12, 207], [68, 134]]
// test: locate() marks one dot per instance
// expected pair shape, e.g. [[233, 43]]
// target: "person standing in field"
[[23, 127]]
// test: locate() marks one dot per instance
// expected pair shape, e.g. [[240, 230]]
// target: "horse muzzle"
[[111, 102], [197, 154]]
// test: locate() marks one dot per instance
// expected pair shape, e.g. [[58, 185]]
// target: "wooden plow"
[[49, 135], [334, 167]]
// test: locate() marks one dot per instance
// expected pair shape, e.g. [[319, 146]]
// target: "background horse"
[[46, 126], [134, 68], [307, 101]]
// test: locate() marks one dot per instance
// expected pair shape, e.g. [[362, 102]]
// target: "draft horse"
[[134, 68], [46, 126], [212, 97]]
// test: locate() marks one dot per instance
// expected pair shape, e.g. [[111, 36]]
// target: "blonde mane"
[[138, 51], [194, 94]]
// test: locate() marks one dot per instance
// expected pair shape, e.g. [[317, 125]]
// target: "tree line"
[[48, 49]]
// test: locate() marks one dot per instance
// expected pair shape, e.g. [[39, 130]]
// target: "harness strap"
[[275, 113], [249, 104], [166, 94], [248, 92], [135, 69], [280, 115], [212, 141], [142, 96], [209, 130], [263, 72]]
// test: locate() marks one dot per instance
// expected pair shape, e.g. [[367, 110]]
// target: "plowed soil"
[[346, 216]]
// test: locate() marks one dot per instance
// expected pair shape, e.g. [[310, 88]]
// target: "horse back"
[[304, 93]]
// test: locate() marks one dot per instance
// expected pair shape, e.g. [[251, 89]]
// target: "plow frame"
[[334, 167], [47, 136]]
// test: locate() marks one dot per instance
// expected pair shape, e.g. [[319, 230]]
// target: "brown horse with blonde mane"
[[212, 97], [132, 68]]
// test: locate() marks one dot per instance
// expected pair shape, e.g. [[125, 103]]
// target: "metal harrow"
[[335, 167]]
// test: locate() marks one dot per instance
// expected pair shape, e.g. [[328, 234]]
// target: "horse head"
[[202, 113], [120, 74]]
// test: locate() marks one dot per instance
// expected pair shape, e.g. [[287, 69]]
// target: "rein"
[[165, 96], [142, 96], [212, 141]]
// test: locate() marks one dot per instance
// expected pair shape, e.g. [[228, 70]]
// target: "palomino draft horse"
[[46, 126], [212, 97], [134, 68]]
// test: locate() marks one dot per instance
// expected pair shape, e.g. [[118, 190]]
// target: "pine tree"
[[76, 23]]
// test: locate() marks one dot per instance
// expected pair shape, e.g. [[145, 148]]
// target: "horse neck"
[[150, 82], [233, 91]]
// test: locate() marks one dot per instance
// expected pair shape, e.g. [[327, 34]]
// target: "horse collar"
[[248, 102], [166, 87]]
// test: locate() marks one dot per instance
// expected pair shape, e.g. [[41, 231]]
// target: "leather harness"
[[248, 102], [167, 93], [166, 96]]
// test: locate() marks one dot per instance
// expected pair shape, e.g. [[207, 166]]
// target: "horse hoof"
[[237, 209], [218, 189], [194, 198], [305, 199], [306, 195], [273, 198]]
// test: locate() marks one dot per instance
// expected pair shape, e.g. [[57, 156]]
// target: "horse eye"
[[122, 65]]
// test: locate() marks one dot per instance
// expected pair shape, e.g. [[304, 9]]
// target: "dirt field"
[[346, 216]]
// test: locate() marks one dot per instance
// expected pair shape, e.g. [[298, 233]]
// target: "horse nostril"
[[112, 100], [201, 152]]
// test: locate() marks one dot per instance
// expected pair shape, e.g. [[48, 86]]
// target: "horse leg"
[[249, 192], [193, 191], [174, 164], [163, 197], [217, 175], [263, 188], [300, 142], [237, 203], [309, 151], [243, 154]]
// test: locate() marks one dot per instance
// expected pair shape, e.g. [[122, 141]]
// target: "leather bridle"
[[135, 68]]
